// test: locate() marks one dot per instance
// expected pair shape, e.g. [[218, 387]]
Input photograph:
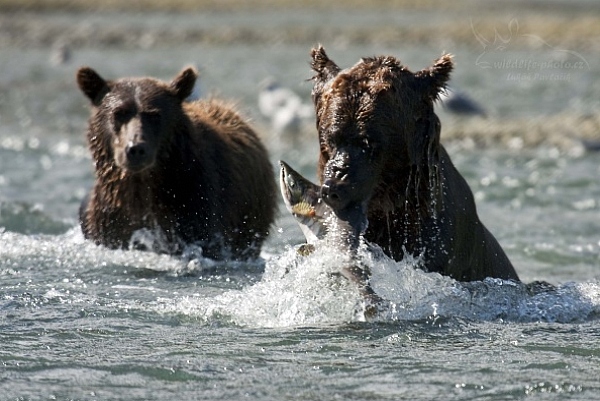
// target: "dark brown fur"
[[192, 173], [381, 153]]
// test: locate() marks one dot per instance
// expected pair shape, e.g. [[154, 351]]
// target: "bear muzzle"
[[335, 193], [347, 179], [350, 209], [135, 149], [135, 157]]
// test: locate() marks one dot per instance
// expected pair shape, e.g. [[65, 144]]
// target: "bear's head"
[[132, 117], [375, 122]]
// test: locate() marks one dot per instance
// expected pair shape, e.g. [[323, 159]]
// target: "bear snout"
[[336, 193], [347, 179], [138, 156]]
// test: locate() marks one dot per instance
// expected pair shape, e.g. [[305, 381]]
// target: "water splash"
[[300, 291], [416, 295], [286, 290], [294, 290]]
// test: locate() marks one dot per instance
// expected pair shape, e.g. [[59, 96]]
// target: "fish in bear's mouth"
[[319, 221]]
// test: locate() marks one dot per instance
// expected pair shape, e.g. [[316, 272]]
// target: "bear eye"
[[121, 116], [369, 146], [363, 143], [152, 116]]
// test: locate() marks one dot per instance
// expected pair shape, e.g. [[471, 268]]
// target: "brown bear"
[[380, 155], [189, 172]]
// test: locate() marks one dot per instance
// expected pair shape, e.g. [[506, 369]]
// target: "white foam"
[[71, 250], [299, 291], [296, 290]]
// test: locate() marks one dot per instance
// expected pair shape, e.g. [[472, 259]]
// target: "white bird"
[[284, 109], [60, 54]]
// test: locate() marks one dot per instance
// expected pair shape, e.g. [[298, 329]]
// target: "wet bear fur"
[[187, 172], [380, 153]]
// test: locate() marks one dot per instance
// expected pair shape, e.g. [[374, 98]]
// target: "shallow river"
[[79, 321]]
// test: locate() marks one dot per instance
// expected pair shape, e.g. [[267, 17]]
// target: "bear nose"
[[136, 153], [333, 194]]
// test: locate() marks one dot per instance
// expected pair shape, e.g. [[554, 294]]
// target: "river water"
[[78, 321]]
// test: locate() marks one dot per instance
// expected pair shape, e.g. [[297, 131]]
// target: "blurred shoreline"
[[37, 23], [248, 5], [241, 5]]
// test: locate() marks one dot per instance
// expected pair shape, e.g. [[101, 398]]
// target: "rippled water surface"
[[79, 321]]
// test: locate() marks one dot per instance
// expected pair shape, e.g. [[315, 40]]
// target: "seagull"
[[60, 54], [283, 108]]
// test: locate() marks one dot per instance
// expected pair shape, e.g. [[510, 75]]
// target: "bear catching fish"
[[380, 156], [318, 222]]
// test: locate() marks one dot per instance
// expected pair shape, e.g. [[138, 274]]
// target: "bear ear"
[[324, 67], [92, 84], [183, 84], [322, 64], [437, 76]]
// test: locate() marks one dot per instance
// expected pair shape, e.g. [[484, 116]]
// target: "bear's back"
[[239, 164]]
